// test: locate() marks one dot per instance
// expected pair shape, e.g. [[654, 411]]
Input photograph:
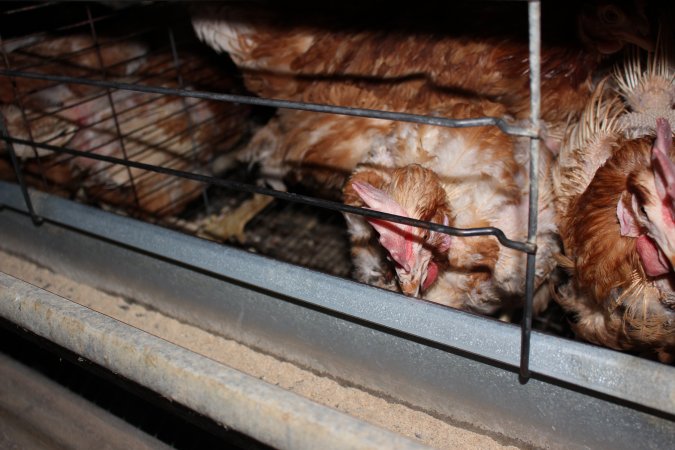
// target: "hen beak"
[[423, 275], [411, 289], [669, 249], [669, 260], [411, 283], [666, 250]]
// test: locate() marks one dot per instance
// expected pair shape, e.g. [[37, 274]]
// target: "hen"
[[166, 131], [462, 177], [390, 64], [615, 180], [288, 55]]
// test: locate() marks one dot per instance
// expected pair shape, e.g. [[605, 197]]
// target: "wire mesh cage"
[[117, 108], [177, 133], [123, 107]]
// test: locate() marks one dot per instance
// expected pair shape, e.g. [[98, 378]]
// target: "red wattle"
[[432, 274], [653, 260]]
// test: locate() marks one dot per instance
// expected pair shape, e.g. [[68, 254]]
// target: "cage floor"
[[291, 232]]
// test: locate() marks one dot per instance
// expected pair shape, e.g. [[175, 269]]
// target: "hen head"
[[647, 210], [607, 26], [413, 192]]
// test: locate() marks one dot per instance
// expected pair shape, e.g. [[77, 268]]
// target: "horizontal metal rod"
[[136, 79], [28, 8], [96, 96], [305, 199], [41, 60], [249, 100]]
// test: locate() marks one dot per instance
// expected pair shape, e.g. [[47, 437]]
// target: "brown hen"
[[615, 179], [391, 63], [314, 58], [462, 177]]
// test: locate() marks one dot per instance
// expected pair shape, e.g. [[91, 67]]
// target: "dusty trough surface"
[[396, 417]]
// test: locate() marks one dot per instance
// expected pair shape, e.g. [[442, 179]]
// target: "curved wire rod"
[[245, 99], [298, 198]]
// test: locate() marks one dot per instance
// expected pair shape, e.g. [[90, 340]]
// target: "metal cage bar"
[[26, 122], [298, 198], [111, 103], [37, 220], [534, 21], [499, 122], [191, 127]]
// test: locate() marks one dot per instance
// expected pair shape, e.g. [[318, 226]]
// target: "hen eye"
[[610, 16]]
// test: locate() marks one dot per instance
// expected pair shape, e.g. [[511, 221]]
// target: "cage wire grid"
[[174, 67]]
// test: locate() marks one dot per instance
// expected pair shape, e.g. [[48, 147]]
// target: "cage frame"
[[40, 208]]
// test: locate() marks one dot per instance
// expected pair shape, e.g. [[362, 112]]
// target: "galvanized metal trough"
[[455, 365]]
